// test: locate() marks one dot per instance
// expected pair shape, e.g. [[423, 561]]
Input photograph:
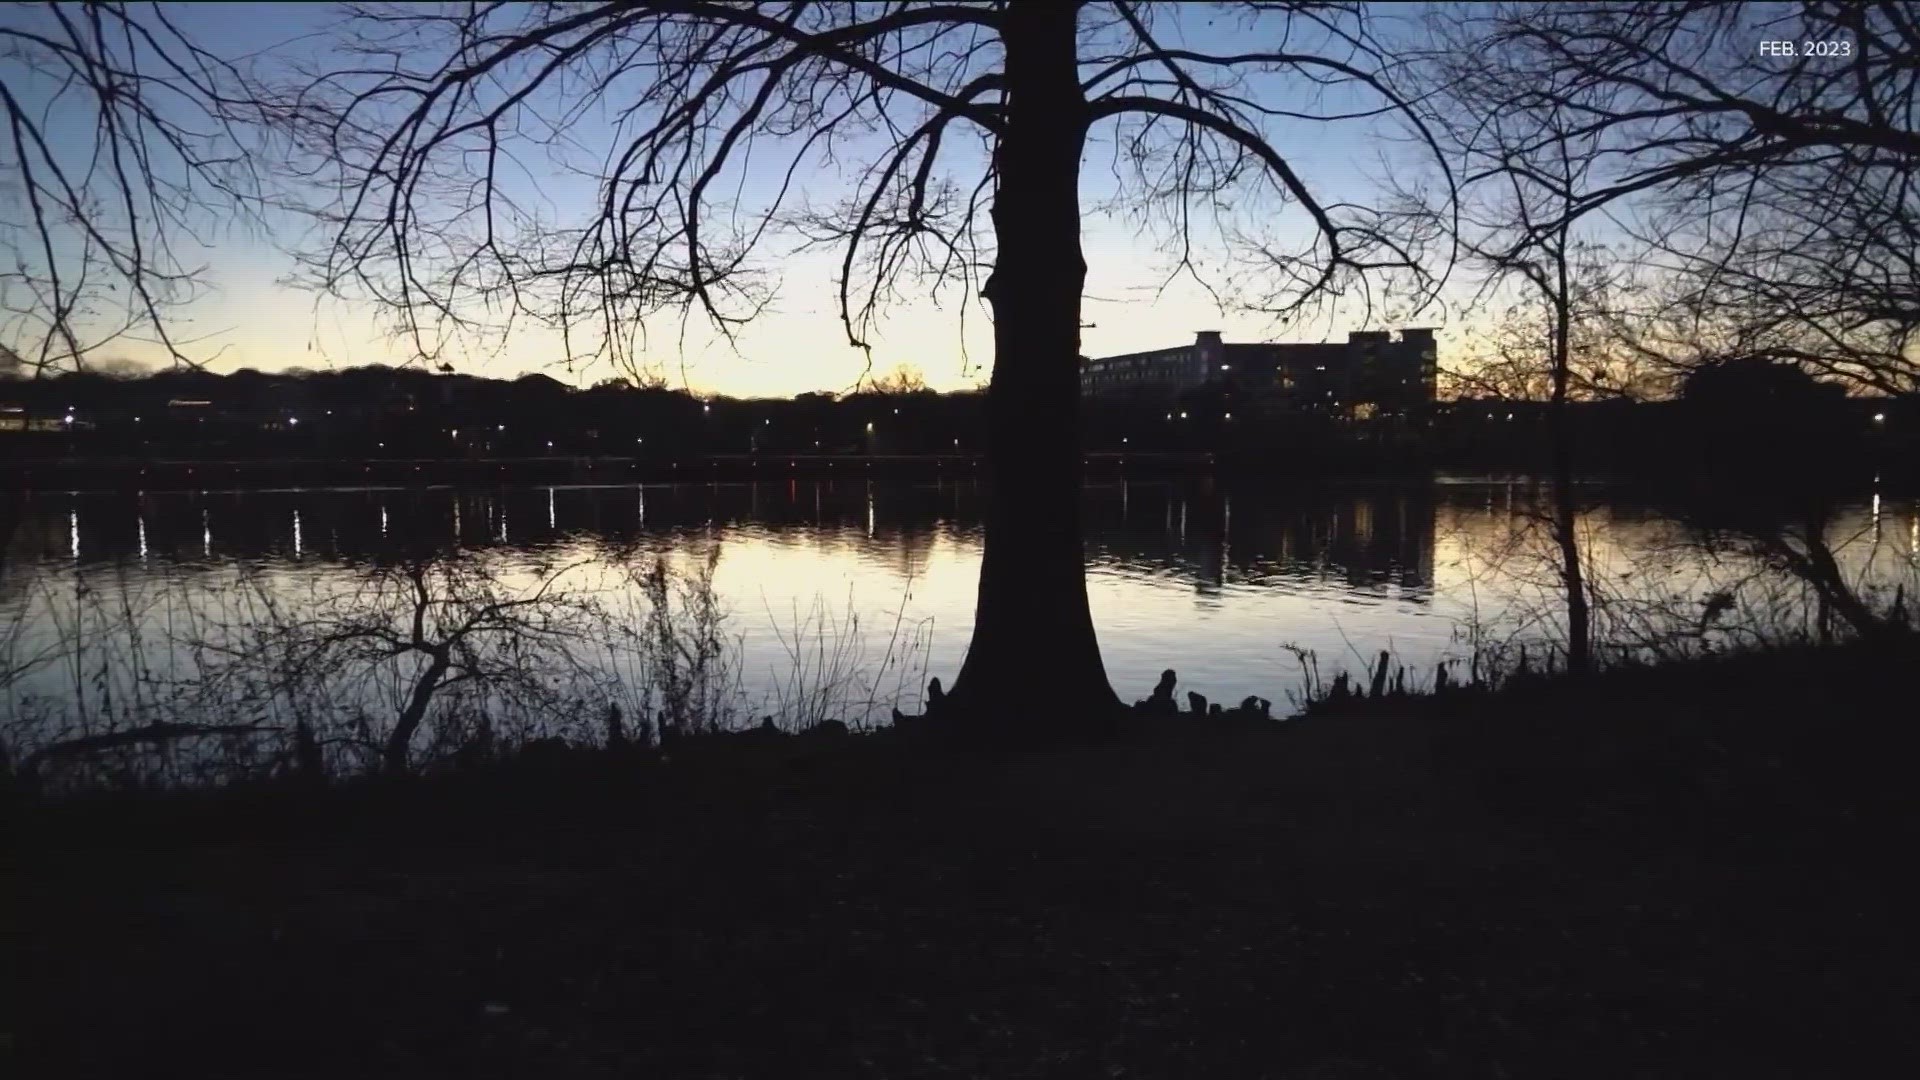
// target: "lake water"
[[1211, 580]]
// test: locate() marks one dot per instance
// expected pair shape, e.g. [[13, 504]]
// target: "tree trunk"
[[1565, 505], [402, 736], [1034, 662]]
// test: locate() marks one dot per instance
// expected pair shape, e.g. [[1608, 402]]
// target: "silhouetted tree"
[[416, 130], [1780, 188], [428, 622], [121, 140], [903, 379], [1765, 421], [1767, 430], [1524, 174]]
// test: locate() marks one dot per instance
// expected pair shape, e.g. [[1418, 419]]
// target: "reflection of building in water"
[[1253, 537]]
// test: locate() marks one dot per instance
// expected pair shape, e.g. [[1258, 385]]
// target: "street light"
[[1878, 418]]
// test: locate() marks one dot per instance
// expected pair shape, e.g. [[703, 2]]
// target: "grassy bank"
[[1683, 873]]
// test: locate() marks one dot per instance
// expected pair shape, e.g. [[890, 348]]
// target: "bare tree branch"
[[100, 248]]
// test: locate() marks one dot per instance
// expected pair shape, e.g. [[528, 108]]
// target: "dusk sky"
[[254, 317]]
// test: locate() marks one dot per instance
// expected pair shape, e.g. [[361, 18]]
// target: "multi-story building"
[[1369, 374]]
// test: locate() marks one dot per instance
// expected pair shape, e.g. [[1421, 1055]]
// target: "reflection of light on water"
[[206, 534], [299, 546], [1226, 533], [550, 515], [456, 517], [73, 533], [1457, 566], [383, 519], [869, 511], [641, 495]]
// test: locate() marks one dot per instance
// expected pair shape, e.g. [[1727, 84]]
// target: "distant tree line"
[[1739, 415]]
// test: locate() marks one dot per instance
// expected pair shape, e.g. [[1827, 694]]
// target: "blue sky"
[[254, 318]]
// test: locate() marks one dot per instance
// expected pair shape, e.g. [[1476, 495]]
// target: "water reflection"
[[1365, 543], [1198, 576]]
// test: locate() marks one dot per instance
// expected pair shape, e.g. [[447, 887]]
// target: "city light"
[[293, 421], [1879, 418]]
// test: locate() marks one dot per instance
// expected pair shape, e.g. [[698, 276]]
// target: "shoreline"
[[27, 477], [162, 474]]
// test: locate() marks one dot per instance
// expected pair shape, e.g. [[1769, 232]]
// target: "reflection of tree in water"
[[1835, 555], [1671, 579], [1650, 570]]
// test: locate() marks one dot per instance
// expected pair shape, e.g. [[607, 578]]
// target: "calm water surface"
[[1207, 579]]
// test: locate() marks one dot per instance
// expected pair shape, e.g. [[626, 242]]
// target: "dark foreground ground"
[[1629, 878]]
